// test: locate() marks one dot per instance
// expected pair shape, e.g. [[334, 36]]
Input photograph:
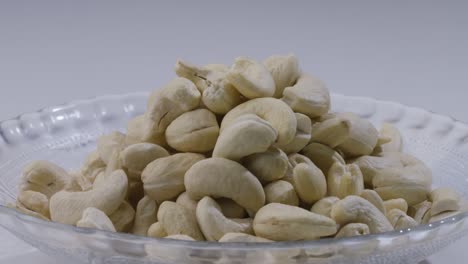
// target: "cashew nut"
[[281, 192], [221, 97], [324, 206], [20, 208], [420, 212], [44, 177], [374, 198], [280, 222], [345, 180], [68, 207], [308, 180], [123, 217], [145, 216], [95, 218], [202, 77], [396, 142], [400, 219], [156, 230], [331, 132], [137, 132], [218, 177], [231, 209], [180, 237], [78, 183], [242, 238], [176, 220], [303, 135], [107, 144], [137, 156], [354, 209], [214, 224], [398, 203], [353, 229], [322, 156], [92, 166], [444, 199], [251, 78], [285, 71], [371, 165], [308, 96], [163, 179], [185, 200], [194, 131], [35, 201], [267, 166]]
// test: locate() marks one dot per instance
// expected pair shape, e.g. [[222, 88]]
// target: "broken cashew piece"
[[285, 71], [344, 180], [95, 218], [108, 144]]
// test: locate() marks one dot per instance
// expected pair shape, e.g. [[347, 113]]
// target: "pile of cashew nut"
[[246, 153]]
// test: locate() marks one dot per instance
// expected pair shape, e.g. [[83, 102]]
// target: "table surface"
[[51, 52]]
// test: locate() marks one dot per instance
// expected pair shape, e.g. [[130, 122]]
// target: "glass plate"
[[65, 134]]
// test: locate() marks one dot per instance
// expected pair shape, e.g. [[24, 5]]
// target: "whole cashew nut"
[[331, 132], [176, 220], [109, 143], [322, 156], [156, 230], [95, 218], [44, 177], [267, 166], [324, 206], [374, 198], [281, 192], [398, 203], [309, 182], [123, 217], [137, 132], [137, 156], [344, 180], [145, 216], [218, 177], [34, 201], [184, 200], [303, 134], [371, 165], [353, 229], [285, 71]]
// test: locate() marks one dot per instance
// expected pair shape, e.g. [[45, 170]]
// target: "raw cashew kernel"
[[331, 132], [251, 78], [303, 134], [92, 166], [123, 217], [20, 208], [137, 156], [354, 209], [107, 144], [344, 180], [202, 77], [194, 131], [218, 177], [353, 229], [396, 142], [285, 71], [374, 198], [309, 182], [444, 199], [185, 200], [267, 166], [176, 220], [280, 222], [163, 179], [281, 192], [371, 165], [322, 156], [324, 206], [35, 201], [180, 237], [214, 224], [398, 203], [400, 219], [420, 212], [221, 97], [156, 230], [137, 132], [308, 96], [145, 216], [44, 177], [242, 238], [95, 218], [78, 183]]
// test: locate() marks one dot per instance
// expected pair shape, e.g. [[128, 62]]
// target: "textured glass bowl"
[[65, 134]]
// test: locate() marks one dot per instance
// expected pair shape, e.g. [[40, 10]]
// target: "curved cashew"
[[163, 179], [374, 198], [396, 141], [353, 229], [67, 207], [324, 206], [180, 237], [137, 156], [218, 177], [243, 238], [221, 97], [92, 166], [285, 71], [20, 208], [400, 219], [123, 217], [145, 216], [398, 203], [274, 111], [267, 166], [282, 222], [331, 132], [185, 200], [354, 209], [176, 220], [248, 134], [444, 199], [78, 183], [251, 78], [344, 180], [371, 165], [303, 134], [231, 209], [202, 77], [214, 224], [95, 218], [156, 230], [308, 96], [137, 132], [35, 201], [44, 177], [109, 143], [281, 192], [194, 131], [322, 156]]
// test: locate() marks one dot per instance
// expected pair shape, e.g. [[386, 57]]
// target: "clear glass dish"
[[66, 133]]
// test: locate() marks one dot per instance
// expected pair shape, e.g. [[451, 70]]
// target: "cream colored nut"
[[371, 165], [176, 220], [420, 211], [281, 192], [78, 183], [308, 96], [274, 111], [135, 192], [331, 132], [396, 142], [92, 166], [218, 177], [344, 180], [115, 163], [137, 132], [203, 76], [242, 238], [285, 71], [444, 199], [353, 229], [231, 209], [282, 222], [123, 217], [374, 198], [309, 182], [248, 134], [145, 216], [185, 200], [251, 78], [44, 177], [267, 166], [163, 179], [214, 224], [400, 220], [324, 206], [95, 218], [354, 209], [194, 131], [35, 201], [221, 97], [20, 208], [156, 230], [303, 134], [180, 237], [322, 156], [397, 203], [137, 156], [67, 207], [109, 143], [166, 104], [412, 183]]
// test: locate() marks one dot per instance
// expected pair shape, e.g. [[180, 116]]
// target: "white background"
[[414, 52]]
